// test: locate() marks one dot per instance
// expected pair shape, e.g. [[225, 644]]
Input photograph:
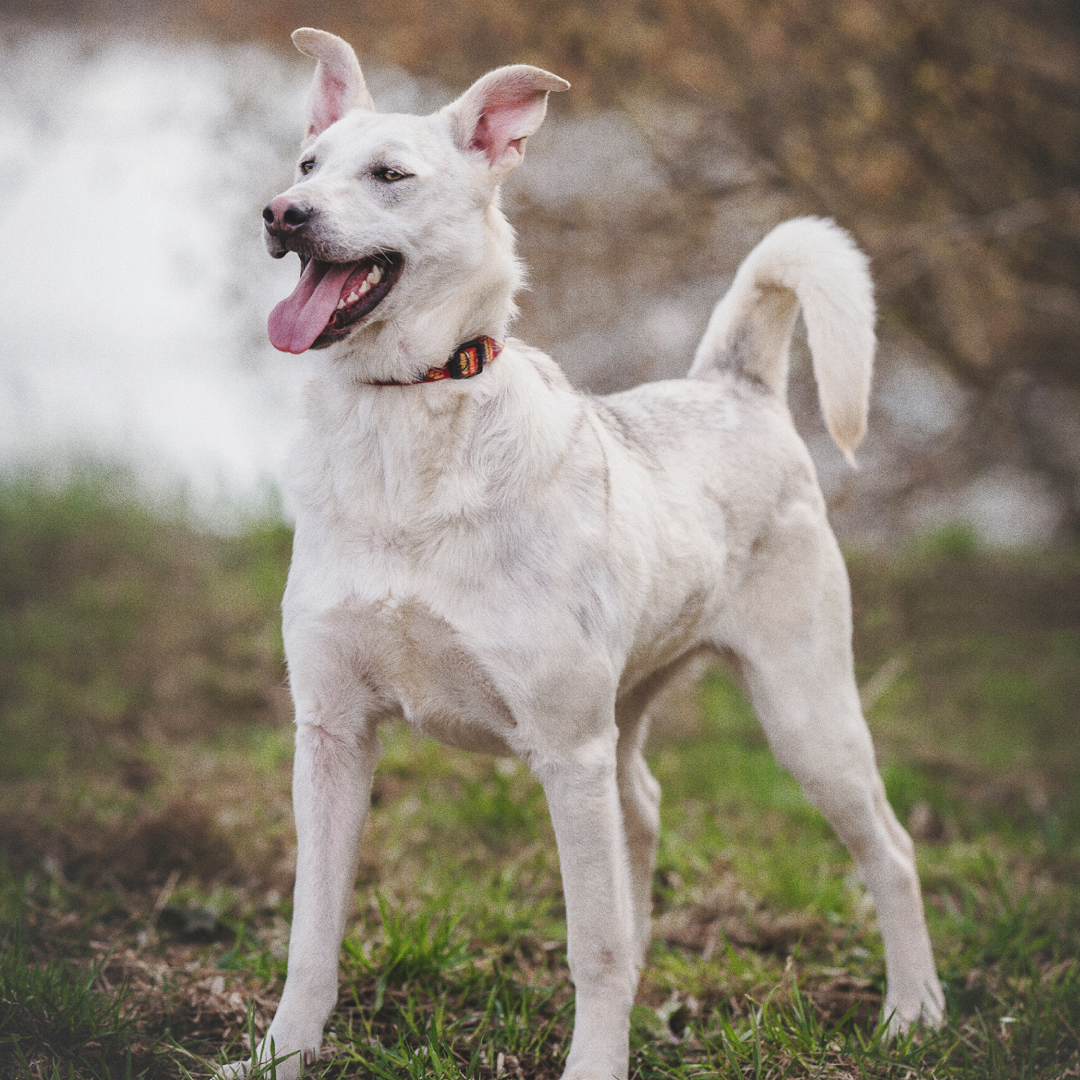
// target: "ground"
[[147, 844]]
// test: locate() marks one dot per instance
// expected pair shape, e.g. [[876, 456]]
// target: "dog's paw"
[[927, 1009], [583, 1073], [279, 1065], [597, 1069]]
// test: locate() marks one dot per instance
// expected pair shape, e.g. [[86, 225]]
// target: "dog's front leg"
[[583, 797], [332, 775], [336, 755]]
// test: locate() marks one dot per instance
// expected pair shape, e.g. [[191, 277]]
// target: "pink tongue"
[[300, 318]]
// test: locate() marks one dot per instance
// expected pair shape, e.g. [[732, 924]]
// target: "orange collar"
[[467, 360]]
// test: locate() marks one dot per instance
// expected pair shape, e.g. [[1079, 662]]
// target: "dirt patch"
[[847, 996], [182, 838]]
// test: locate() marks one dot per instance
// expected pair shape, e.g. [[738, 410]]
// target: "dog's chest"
[[418, 664], [426, 612], [462, 578]]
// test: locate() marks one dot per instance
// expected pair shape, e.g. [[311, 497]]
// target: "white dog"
[[518, 568]]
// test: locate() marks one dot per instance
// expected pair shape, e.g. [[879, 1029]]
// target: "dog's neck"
[[408, 460]]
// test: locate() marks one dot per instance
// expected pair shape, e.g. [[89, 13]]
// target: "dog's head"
[[396, 218]]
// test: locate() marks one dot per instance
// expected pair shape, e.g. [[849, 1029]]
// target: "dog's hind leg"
[[580, 782], [792, 637], [639, 797]]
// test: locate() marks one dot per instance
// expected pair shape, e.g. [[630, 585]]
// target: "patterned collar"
[[467, 360]]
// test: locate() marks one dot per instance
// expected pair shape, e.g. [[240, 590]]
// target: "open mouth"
[[330, 299]]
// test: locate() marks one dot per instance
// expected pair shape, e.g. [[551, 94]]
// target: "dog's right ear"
[[500, 111], [339, 85]]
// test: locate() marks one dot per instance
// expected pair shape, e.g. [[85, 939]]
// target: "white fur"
[[518, 568]]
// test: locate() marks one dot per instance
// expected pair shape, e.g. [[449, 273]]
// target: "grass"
[[53, 1008], [146, 835]]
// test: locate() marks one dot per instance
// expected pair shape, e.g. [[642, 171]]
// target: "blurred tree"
[[944, 134]]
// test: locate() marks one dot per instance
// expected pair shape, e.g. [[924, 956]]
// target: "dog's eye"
[[390, 175], [306, 166]]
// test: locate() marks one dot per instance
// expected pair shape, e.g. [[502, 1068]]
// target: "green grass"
[[117, 623], [52, 1014], [145, 836]]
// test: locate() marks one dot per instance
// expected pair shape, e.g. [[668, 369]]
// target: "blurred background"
[[145, 726], [139, 141]]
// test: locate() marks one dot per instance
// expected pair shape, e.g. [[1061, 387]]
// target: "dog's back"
[[716, 458]]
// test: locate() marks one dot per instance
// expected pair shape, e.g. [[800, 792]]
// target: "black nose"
[[283, 217]]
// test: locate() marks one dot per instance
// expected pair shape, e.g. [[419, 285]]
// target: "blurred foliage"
[[945, 135]]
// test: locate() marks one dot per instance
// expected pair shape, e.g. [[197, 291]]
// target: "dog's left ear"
[[500, 111]]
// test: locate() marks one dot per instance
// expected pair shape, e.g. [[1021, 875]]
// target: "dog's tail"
[[815, 265]]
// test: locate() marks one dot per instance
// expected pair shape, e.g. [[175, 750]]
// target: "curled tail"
[[812, 264]]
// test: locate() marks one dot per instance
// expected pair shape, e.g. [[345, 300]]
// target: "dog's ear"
[[339, 83], [500, 111]]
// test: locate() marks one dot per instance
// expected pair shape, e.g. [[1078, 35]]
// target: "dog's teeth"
[[340, 304], [365, 286], [375, 275], [352, 298]]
